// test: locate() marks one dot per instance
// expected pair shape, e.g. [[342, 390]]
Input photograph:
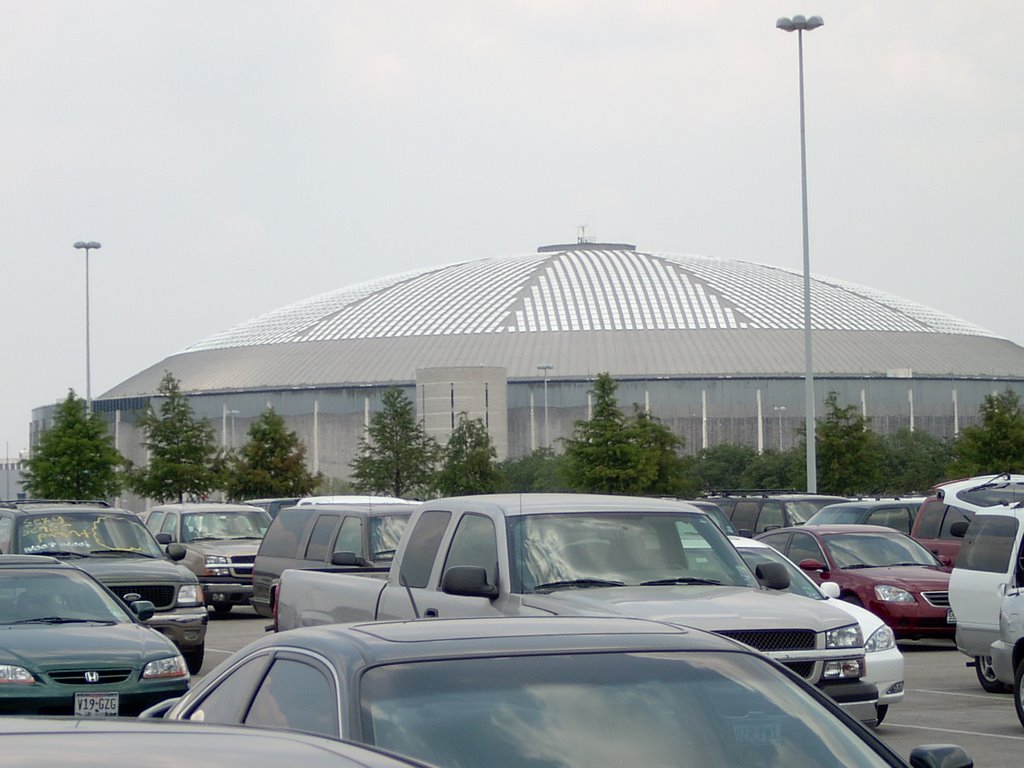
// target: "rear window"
[[988, 545], [282, 537]]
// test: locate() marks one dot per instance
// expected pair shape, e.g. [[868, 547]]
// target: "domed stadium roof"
[[585, 308]]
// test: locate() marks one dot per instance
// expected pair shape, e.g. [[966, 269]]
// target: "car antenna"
[[404, 583]]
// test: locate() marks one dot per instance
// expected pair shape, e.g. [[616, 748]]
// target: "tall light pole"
[[545, 367], [88, 246], [779, 409], [800, 24]]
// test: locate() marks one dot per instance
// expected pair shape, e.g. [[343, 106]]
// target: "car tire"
[[987, 676], [881, 710], [1018, 691], [194, 659]]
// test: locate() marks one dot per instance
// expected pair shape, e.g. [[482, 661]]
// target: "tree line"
[[609, 452]]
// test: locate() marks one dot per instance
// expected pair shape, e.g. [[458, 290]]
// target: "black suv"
[[754, 512], [114, 546]]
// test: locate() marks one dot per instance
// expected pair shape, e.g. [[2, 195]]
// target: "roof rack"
[[20, 503]]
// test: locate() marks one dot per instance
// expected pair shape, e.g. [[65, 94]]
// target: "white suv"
[[988, 567]]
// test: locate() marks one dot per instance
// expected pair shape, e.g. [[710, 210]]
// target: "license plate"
[[96, 704], [950, 617]]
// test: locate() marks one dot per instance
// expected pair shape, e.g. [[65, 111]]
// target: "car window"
[[6, 526], [295, 695], [226, 702], [743, 514], [954, 515], [320, 537], [779, 541], [771, 517], [421, 549], [988, 544], [170, 525], [930, 521], [385, 533], [805, 547], [474, 543], [153, 520], [350, 537], [283, 535], [897, 518]]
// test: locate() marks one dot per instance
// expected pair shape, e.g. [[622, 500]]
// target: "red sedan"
[[883, 570]]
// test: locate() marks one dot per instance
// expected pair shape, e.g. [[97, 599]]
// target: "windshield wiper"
[[237, 538], [581, 583], [57, 553], [679, 580], [60, 620], [132, 552], [861, 565], [382, 553], [205, 538]]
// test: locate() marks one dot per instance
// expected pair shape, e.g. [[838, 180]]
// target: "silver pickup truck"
[[568, 554]]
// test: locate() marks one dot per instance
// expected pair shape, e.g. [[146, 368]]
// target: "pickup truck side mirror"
[[176, 551], [772, 575], [958, 529], [143, 609], [468, 581], [164, 538], [348, 558], [940, 756]]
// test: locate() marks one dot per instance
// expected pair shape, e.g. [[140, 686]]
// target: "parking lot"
[[943, 704]]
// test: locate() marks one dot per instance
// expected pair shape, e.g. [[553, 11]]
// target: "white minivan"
[[988, 567]]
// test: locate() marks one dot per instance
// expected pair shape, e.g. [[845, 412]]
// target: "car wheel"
[[881, 710], [1018, 691], [194, 659], [222, 607], [987, 675], [852, 599]]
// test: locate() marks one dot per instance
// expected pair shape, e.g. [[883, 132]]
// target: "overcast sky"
[[233, 157]]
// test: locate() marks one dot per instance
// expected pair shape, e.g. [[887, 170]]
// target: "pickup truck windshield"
[[554, 711], [621, 548]]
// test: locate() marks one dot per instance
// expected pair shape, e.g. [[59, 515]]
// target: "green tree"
[[183, 459], [721, 467], [399, 457], [468, 461], [537, 472], [775, 469], [75, 458], [849, 454], [674, 474], [609, 453], [271, 464], [913, 462], [995, 445]]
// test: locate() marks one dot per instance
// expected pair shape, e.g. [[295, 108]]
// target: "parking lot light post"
[[545, 367], [799, 24], [87, 246], [779, 409]]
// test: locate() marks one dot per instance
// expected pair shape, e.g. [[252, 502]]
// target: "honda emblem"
[[92, 677]]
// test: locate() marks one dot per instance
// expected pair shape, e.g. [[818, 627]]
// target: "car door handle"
[[430, 613]]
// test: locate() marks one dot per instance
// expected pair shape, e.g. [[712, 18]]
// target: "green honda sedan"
[[68, 646]]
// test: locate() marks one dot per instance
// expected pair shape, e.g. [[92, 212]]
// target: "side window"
[[226, 702], [474, 543], [954, 515], [988, 544], [320, 537], [931, 515], [805, 547], [350, 537], [421, 548], [298, 696], [170, 525], [897, 518], [154, 520], [771, 517], [779, 541], [6, 526], [283, 535], [743, 514]]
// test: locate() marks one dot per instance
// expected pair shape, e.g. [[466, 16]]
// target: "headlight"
[[170, 667], [846, 669], [217, 565], [890, 594], [882, 639], [17, 675], [849, 636], [190, 594]]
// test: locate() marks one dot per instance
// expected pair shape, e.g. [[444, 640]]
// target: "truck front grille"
[[768, 640], [160, 595]]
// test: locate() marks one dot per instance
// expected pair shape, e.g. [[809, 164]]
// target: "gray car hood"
[[705, 607]]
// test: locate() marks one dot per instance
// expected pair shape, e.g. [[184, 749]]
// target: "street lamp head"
[[544, 366], [798, 23], [92, 244]]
